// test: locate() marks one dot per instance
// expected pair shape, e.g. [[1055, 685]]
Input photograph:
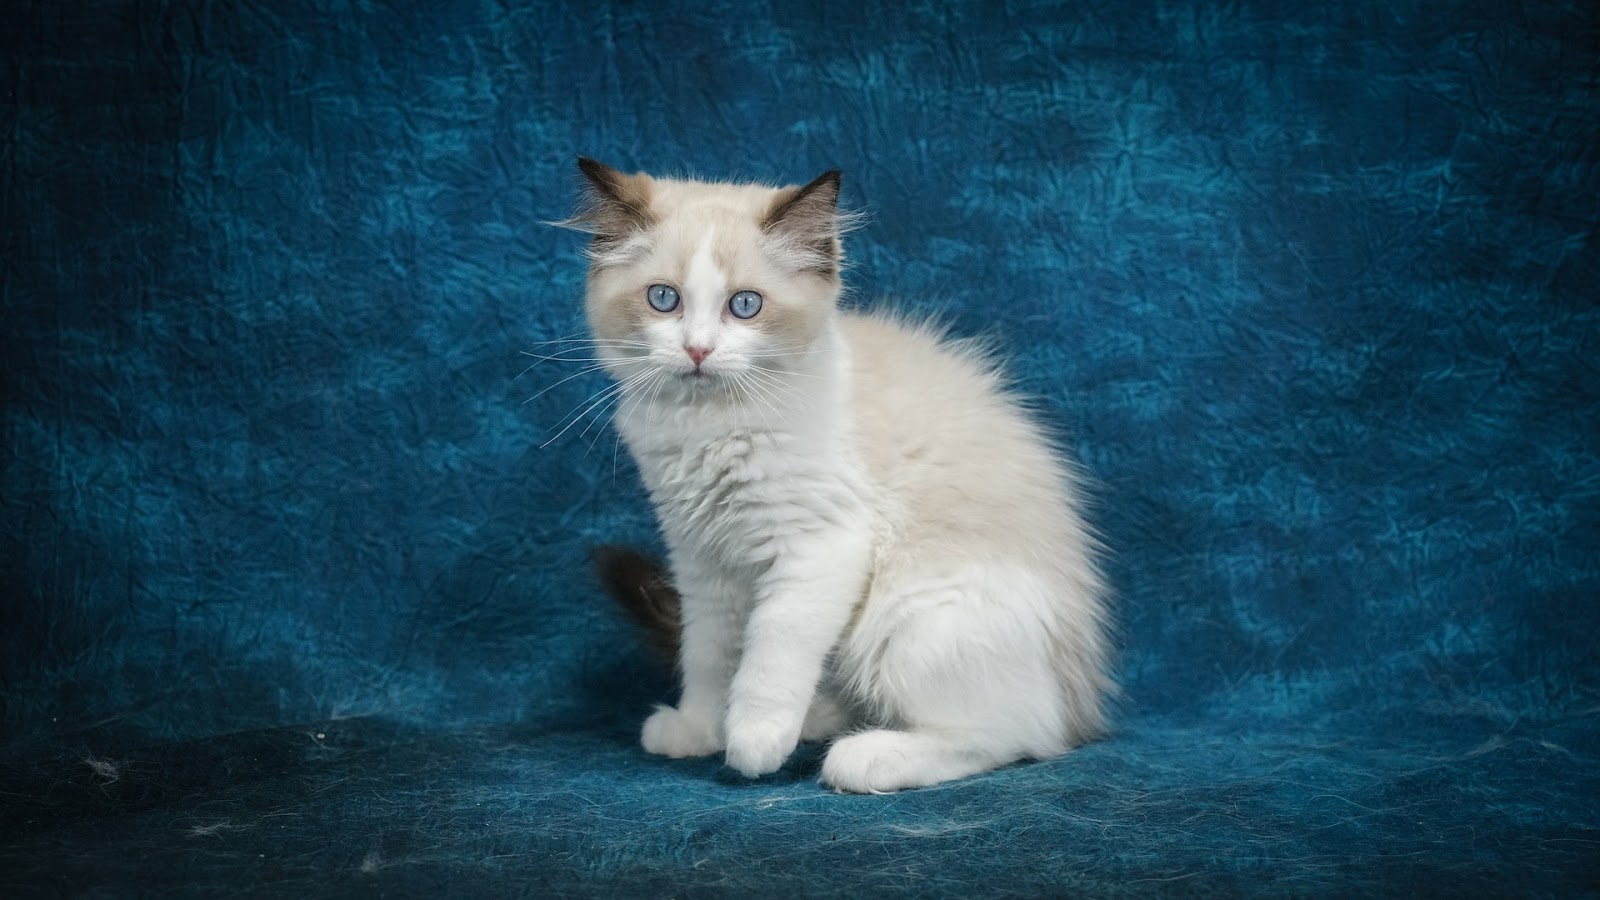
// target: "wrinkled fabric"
[[296, 592]]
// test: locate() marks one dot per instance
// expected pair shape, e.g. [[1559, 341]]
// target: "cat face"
[[706, 284]]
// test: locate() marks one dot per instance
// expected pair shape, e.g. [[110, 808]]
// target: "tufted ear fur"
[[618, 204], [808, 219]]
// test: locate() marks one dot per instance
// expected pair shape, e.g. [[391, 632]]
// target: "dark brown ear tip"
[[824, 187], [831, 178]]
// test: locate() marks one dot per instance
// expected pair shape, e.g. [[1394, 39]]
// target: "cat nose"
[[698, 354]]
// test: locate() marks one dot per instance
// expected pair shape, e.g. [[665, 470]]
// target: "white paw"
[[669, 732], [758, 745], [877, 762]]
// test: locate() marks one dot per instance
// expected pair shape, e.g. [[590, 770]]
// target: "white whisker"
[[655, 387], [783, 372], [776, 384], [612, 406], [542, 358], [604, 395], [578, 374], [584, 336], [766, 397], [608, 342], [740, 386]]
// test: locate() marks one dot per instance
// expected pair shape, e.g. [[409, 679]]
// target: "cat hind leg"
[[963, 670], [885, 760]]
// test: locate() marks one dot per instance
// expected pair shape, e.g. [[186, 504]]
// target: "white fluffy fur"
[[874, 543]]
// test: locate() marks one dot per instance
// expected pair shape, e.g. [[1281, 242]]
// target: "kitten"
[[870, 540]]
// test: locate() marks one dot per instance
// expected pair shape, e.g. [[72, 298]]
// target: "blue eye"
[[745, 304], [662, 297]]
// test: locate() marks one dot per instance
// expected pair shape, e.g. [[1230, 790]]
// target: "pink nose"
[[698, 354]]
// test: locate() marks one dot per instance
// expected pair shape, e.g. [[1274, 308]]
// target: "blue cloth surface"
[[296, 597]]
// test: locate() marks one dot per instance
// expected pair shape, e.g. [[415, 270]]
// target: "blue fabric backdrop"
[[295, 600]]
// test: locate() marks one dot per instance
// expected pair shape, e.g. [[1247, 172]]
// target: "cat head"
[[704, 282]]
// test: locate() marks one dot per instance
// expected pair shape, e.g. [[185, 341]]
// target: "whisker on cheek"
[[596, 401], [770, 389], [585, 340], [761, 408], [781, 372], [613, 406], [558, 358], [578, 374], [654, 386]]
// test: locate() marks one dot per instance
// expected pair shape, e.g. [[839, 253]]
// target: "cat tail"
[[642, 587]]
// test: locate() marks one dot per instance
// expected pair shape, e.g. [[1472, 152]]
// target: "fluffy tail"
[[642, 587]]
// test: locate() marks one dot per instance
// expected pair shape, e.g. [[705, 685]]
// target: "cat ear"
[[618, 204], [808, 217]]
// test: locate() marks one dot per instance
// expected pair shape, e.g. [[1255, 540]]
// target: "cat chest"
[[732, 496]]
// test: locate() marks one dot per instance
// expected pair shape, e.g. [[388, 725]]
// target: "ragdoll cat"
[[871, 542]]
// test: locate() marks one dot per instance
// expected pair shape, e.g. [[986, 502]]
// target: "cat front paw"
[[758, 745], [672, 732]]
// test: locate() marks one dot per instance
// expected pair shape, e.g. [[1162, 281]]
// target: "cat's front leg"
[[708, 651], [802, 606]]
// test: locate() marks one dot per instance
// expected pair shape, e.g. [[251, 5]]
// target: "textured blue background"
[[293, 599]]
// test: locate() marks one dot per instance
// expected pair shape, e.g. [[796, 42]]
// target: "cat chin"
[[700, 379], [692, 386]]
